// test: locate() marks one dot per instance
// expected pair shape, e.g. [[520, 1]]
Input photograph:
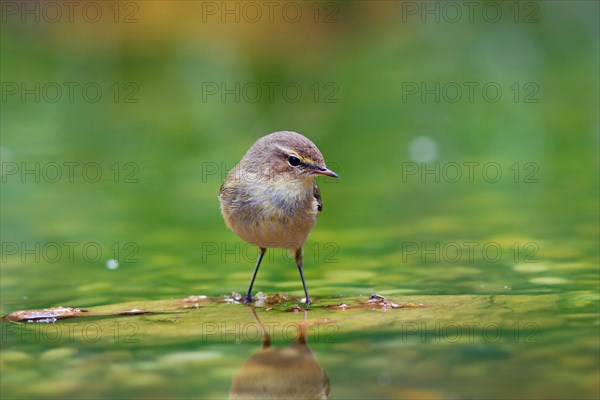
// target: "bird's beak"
[[325, 171]]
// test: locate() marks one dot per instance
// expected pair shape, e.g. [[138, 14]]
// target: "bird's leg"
[[248, 298], [299, 264]]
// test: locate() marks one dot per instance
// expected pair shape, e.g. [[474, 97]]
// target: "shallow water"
[[480, 219]]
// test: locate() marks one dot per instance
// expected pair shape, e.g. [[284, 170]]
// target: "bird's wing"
[[317, 195]]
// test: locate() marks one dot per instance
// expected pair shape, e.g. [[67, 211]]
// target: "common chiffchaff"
[[270, 198]]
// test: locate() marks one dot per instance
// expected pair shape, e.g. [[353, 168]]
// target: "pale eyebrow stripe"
[[291, 152]]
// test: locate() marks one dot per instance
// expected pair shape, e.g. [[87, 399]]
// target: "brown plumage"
[[270, 198]]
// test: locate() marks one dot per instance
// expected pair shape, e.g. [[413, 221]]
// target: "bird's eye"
[[294, 161]]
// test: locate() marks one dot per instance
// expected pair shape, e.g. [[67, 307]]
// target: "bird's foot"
[[248, 299], [307, 302]]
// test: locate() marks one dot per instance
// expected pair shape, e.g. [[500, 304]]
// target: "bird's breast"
[[275, 214]]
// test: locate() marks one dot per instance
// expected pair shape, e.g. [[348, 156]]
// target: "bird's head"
[[286, 155]]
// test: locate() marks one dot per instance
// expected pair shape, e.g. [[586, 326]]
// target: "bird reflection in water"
[[290, 372]]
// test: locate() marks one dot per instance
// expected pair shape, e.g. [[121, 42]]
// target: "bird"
[[270, 198]]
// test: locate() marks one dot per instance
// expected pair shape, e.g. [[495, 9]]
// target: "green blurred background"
[[164, 101]]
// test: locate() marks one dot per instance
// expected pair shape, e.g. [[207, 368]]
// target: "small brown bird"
[[270, 198]]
